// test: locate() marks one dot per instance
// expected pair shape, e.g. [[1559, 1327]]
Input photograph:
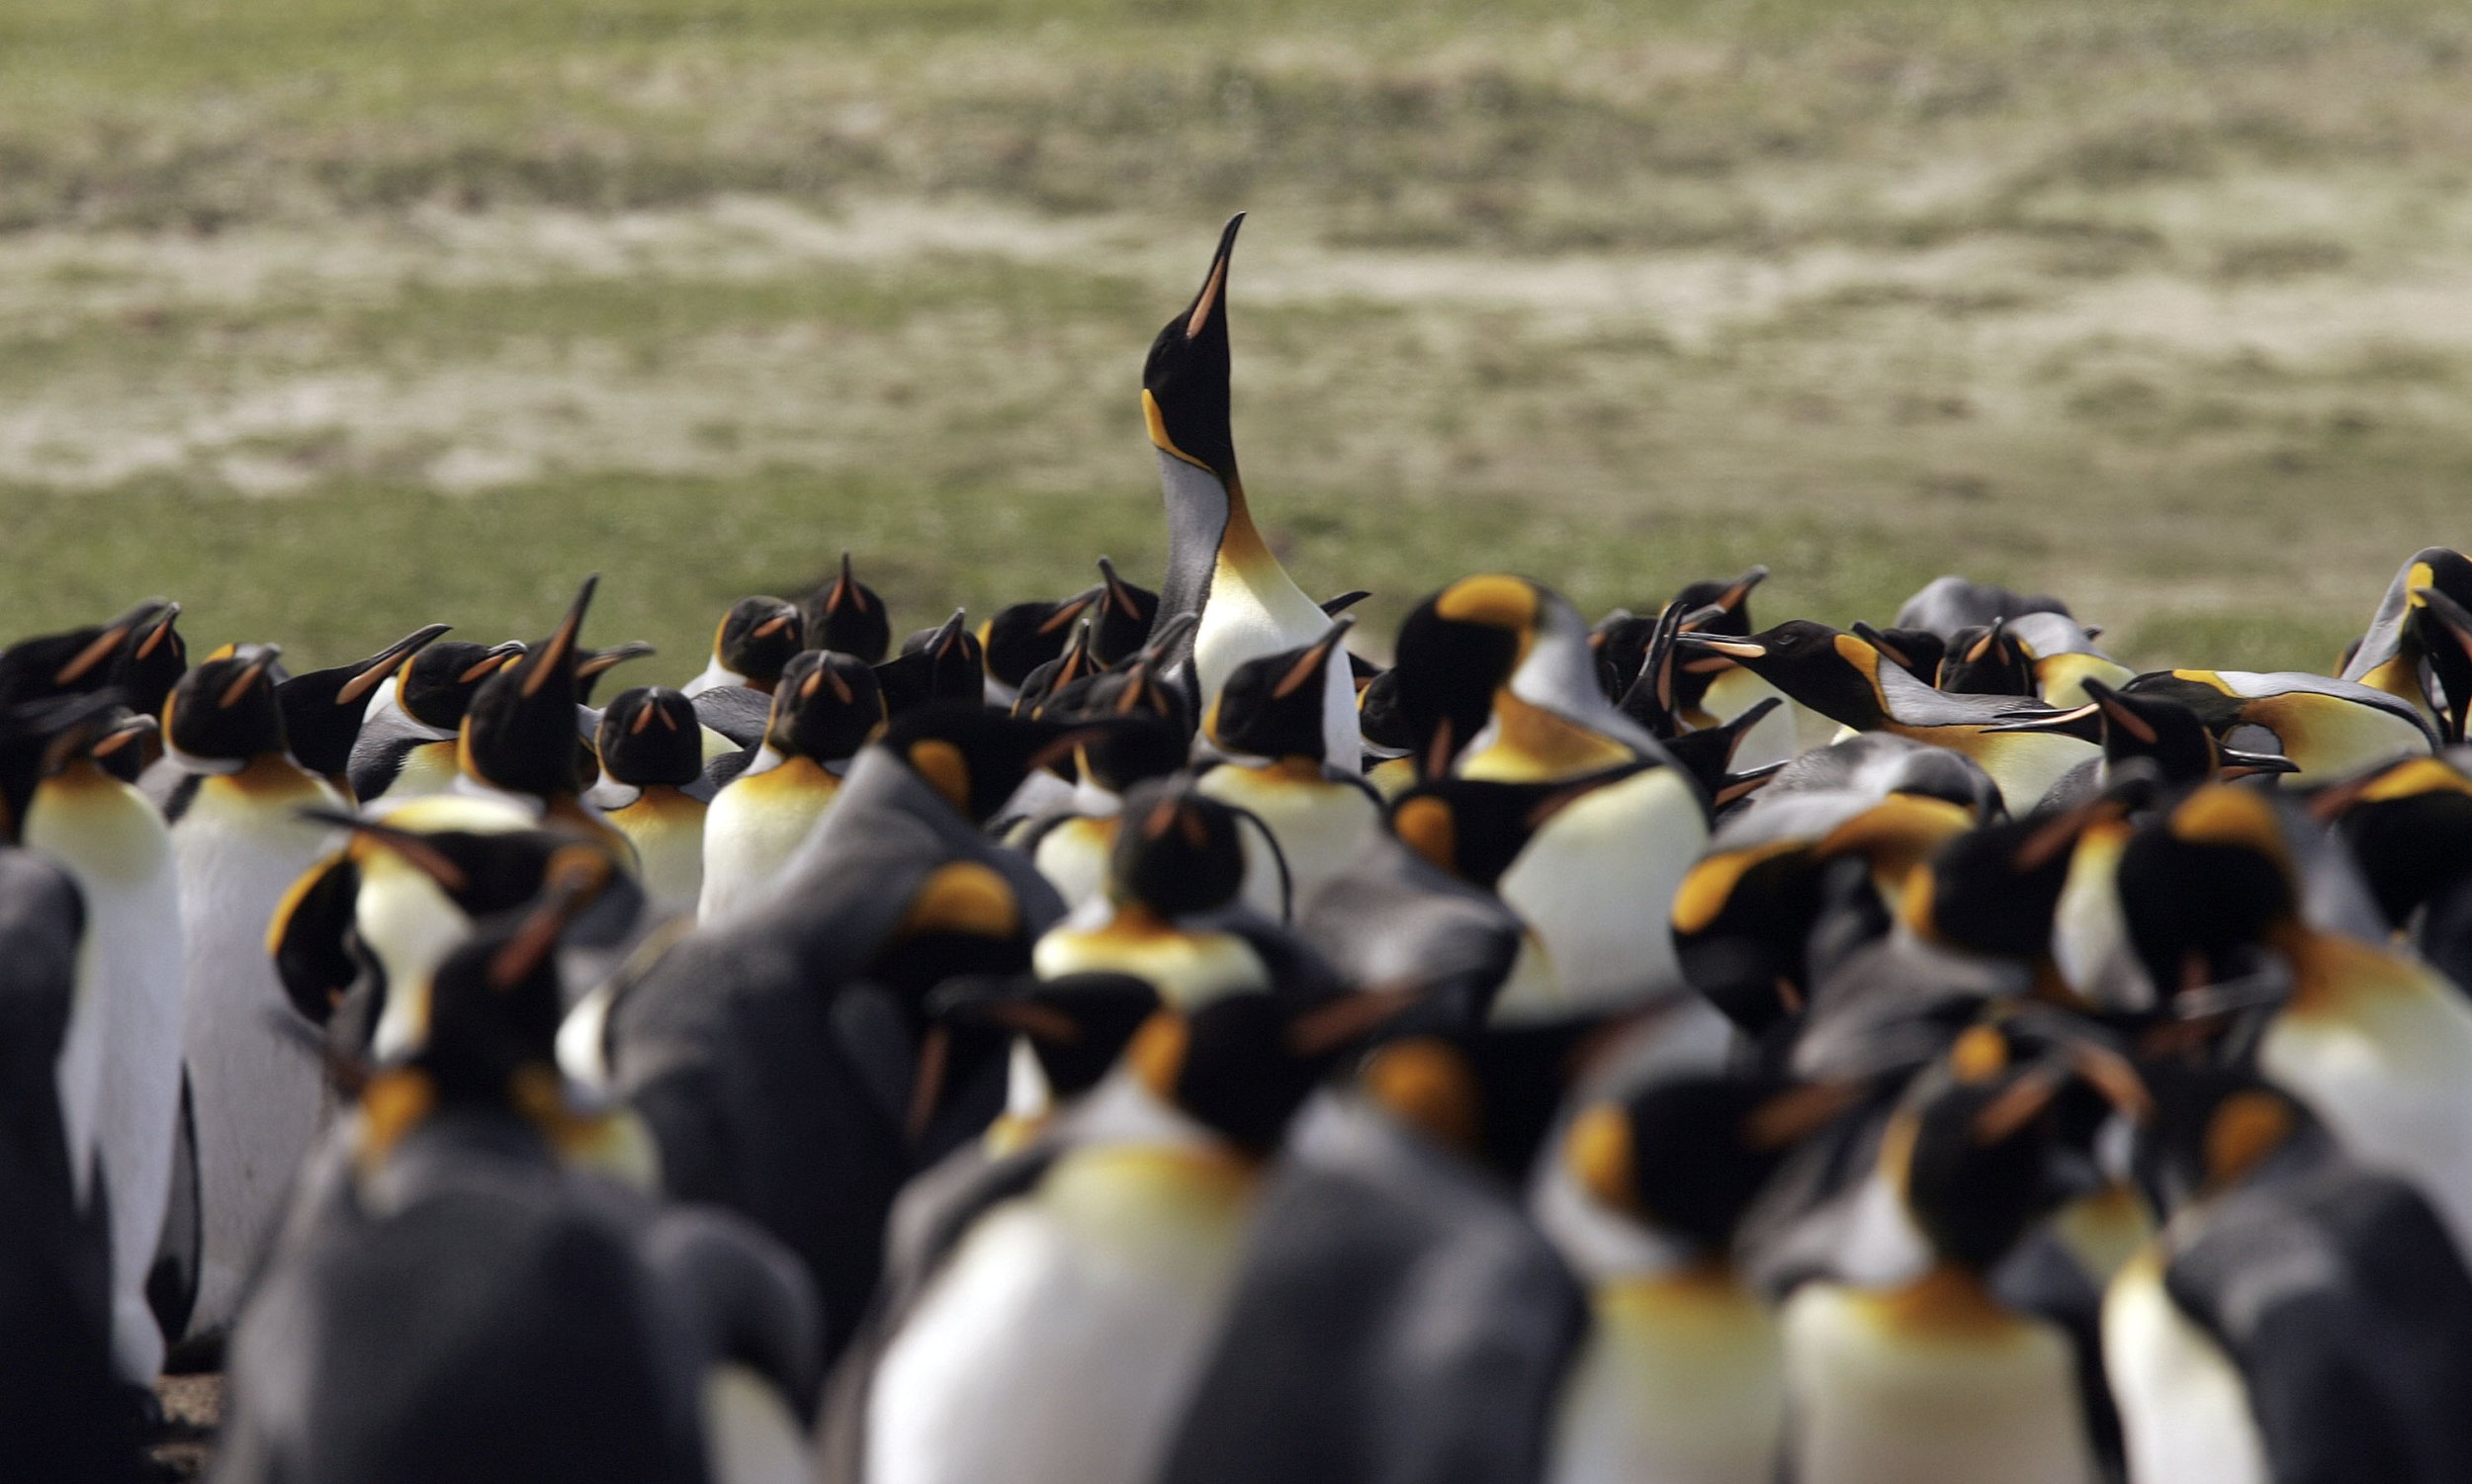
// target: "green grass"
[[333, 316]]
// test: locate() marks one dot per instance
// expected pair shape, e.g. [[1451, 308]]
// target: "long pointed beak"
[[254, 671], [949, 635], [2234, 763], [1879, 641], [375, 671], [108, 643], [1345, 601], [155, 628], [1990, 640], [1309, 663], [561, 647], [615, 655], [1213, 299], [1722, 643], [124, 732], [1732, 598], [2053, 721]]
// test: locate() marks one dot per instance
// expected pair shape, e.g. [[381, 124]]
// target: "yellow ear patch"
[[1503, 602], [944, 766], [1159, 431], [1427, 1084], [1854, 651], [2226, 816], [964, 896], [1157, 1052], [1710, 884], [391, 1105], [2246, 1128], [1980, 1055], [1424, 825], [1599, 1155], [2422, 775]]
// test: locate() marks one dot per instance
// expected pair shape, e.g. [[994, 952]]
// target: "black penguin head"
[[2214, 1127], [756, 637], [1077, 1025], [520, 732], [650, 736], [1919, 652], [1455, 650], [2205, 883], [1063, 679], [1243, 1063], [322, 709], [2410, 829], [1177, 852], [2162, 730], [944, 665], [1975, 1156], [1128, 612], [225, 712], [974, 757], [74, 662], [1835, 674], [1619, 642], [1021, 638], [1184, 380], [1713, 607], [591, 665], [1995, 890], [964, 918], [2221, 712], [2443, 624], [1987, 661], [827, 707], [1271, 707], [35, 735], [846, 617], [1686, 1156], [151, 661], [494, 1005], [438, 685]]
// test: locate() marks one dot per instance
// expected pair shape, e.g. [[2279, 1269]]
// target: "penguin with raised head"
[[405, 747], [519, 739], [1851, 683], [1126, 618], [248, 833], [826, 709], [846, 617], [324, 710], [943, 666], [1219, 569], [455, 1299], [651, 746], [119, 1066], [1270, 715], [2331, 729], [2063, 657], [756, 638], [1024, 635], [2301, 1317], [75, 662], [151, 661], [58, 1397], [2419, 645], [1710, 690]]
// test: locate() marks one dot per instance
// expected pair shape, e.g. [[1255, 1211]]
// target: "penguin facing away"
[[651, 744], [1271, 709], [826, 708]]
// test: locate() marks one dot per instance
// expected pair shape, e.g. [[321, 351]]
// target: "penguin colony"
[[1135, 1038]]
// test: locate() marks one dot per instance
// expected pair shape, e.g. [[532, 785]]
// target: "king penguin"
[[2418, 646], [324, 710], [826, 708], [756, 637], [1218, 567], [519, 741], [120, 1067], [847, 617], [650, 744], [407, 742], [1270, 709], [254, 1091], [2331, 729]]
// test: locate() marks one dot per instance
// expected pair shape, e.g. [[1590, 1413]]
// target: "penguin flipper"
[[311, 937], [172, 1283]]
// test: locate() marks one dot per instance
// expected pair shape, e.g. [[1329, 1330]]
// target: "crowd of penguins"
[[1136, 1039]]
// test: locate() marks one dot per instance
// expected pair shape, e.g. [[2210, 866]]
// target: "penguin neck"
[[267, 778], [1949, 1298], [1532, 743], [1201, 510]]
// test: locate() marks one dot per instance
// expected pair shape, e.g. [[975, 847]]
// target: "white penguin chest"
[[1597, 886], [1682, 1382], [2183, 1409], [753, 828], [1319, 825]]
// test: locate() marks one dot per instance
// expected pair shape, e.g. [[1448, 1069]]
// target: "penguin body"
[[2330, 728], [406, 747], [1319, 817], [827, 707], [2419, 645], [756, 637], [119, 1066]]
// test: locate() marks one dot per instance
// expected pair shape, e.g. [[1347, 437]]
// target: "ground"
[[333, 316]]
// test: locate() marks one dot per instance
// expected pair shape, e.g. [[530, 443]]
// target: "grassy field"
[[333, 316]]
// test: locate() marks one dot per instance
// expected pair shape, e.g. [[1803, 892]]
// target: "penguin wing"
[[743, 1296], [2385, 637], [734, 712], [1395, 1316], [1394, 920], [2259, 685], [2342, 1299], [1949, 603]]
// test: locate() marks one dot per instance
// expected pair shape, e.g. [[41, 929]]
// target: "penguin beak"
[[1732, 598], [1744, 784], [260, 659], [1721, 643], [949, 635], [491, 660], [2117, 712], [617, 655], [1990, 639], [2234, 763], [1212, 302], [2055, 721], [155, 630], [412, 848], [378, 668], [781, 619], [1309, 663], [108, 643], [1345, 601], [559, 652], [127, 729], [1066, 612], [1879, 641], [844, 589], [512, 964]]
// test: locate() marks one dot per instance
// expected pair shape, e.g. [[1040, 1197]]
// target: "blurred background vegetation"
[[332, 317]]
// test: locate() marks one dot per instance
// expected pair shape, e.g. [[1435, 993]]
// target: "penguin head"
[[1455, 650], [756, 637], [975, 758], [1177, 852], [827, 707], [591, 665], [2213, 1128], [1833, 673], [1687, 1157], [1973, 1153], [2410, 829], [1995, 890], [1271, 707], [2157, 728], [1242, 1062], [35, 735], [1919, 652], [964, 918], [2443, 624], [2215, 707], [1064, 677], [224, 713], [322, 709], [1713, 606], [1077, 1025], [1987, 661], [944, 665], [648, 736], [519, 733], [151, 661], [1184, 380], [2206, 882], [438, 685], [1021, 638], [496, 1004], [73, 662], [846, 617], [1127, 614]]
